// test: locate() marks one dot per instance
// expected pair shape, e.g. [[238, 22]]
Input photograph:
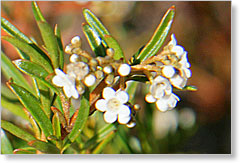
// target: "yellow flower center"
[[113, 104]]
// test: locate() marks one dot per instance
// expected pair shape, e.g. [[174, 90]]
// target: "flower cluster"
[[175, 72], [168, 69]]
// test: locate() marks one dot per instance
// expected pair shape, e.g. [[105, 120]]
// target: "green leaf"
[[8, 94], [18, 132], [56, 126], [60, 45], [100, 135], [15, 108], [94, 40], [48, 36], [45, 96], [6, 146], [37, 13], [95, 23], [101, 146], [158, 37], [44, 147], [10, 71], [38, 58], [32, 104], [187, 88], [112, 43], [81, 118], [13, 31], [131, 90], [35, 71]]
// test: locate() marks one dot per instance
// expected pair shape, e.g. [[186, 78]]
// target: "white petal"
[[60, 72], [187, 72], [168, 71], [149, 98], [58, 81], [110, 117], [108, 93], [101, 105], [172, 101], [124, 69], [178, 50], [67, 91], [124, 111], [159, 79], [131, 124], [123, 120], [173, 40], [184, 60], [122, 96], [162, 105], [178, 82]]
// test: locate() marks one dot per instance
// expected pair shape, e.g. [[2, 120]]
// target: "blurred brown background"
[[202, 28]]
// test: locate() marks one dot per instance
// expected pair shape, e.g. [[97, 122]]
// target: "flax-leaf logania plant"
[[86, 104]]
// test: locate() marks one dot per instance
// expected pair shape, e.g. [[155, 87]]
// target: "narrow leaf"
[[10, 71], [35, 71], [94, 40], [100, 135], [13, 31], [32, 104], [81, 118], [112, 43], [60, 45], [37, 13], [187, 88], [15, 108], [18, 132], [158, 37], [26, 150], [44, 147], [101, 146], [35, 56], [56, 126], [50, 42], [95, 23], [6, 146]]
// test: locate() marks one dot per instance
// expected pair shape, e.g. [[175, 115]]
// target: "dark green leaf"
[[112, 43], [48, 36], [32, 104], [10, 71], [6, 146], [35, 71], [13, 31], [15, 108], [94, 41], [158, 37], [44, 147], [18, 132], [56, 126], [95, 23], [60, 45], [81, 118], [35, 56]]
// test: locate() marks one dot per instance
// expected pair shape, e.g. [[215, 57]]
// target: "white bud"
[[136, 107], [68, 49], [110, 52], [168, 71], [108, 69], [89, 80], [76, 41], [74, 58], [124, 69], [131, 124]]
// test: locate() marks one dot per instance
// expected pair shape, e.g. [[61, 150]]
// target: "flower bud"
[[89, 80], [74, 58], [124, 69], [76, 41], [68, 49], [110, 52], [108, 69]]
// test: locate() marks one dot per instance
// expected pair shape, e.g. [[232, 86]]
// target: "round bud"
[[89, 80], [108, 69], [124, 69], [131, 124], [168, 71], [74, 58], [110, 52], [76, 41], [136, 107], [68, 49]]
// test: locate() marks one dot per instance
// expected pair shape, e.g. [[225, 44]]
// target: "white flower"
[[161, 94], [78, 70], [167, 102], [160, 87], [124, 69], [177, 49], [113, 106], [67, 82]]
